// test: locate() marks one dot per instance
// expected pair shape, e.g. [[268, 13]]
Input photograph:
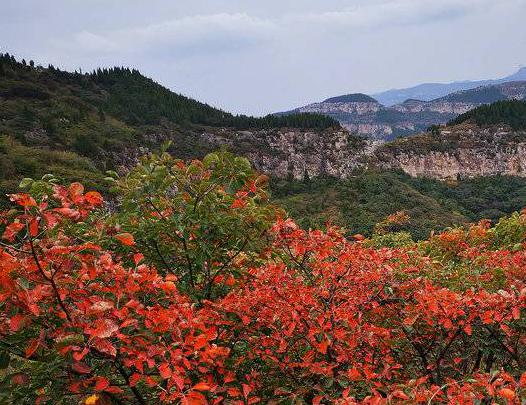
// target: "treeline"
[[139, 100], [510, 112]]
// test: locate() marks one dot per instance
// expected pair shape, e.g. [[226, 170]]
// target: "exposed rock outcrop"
[[363, 115], [288, 153], [459, 152]]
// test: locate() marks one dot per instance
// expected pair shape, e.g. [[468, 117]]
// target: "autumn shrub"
[[191, 289]]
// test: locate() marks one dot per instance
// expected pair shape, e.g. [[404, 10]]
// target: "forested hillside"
[[361, 201], [77, 125], [509, 112]]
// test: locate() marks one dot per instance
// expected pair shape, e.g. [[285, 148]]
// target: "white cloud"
[[200, 33], [393, 13], [224, 32], [90, 42]]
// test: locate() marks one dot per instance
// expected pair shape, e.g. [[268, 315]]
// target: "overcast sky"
[[261, 56]]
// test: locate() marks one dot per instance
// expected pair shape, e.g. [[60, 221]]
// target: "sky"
[[261, 56]]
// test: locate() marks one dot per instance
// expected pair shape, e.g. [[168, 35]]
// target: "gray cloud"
[[256, 57], [187, 35], [234, 31]]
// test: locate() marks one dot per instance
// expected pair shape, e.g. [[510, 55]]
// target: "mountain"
[[474, 168], [364, 115], [487, 141], [351, 98], [80, 125], [77, 126], [431, 91]]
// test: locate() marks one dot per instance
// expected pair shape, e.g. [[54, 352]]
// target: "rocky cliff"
[[364, 115], [293, 153], [459, 152]]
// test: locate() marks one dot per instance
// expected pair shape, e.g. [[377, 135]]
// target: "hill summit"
[[351, 98]]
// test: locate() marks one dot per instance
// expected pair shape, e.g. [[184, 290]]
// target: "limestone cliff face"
[[365, 116], [438, 106], [358, 108], [294, 154], [281, 153], [459, 152]]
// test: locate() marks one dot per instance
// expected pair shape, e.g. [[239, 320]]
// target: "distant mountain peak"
[[431, 91], [413, 101], [517, 76], [351, 98]]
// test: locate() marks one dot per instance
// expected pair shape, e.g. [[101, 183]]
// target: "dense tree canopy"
[[511, 112]]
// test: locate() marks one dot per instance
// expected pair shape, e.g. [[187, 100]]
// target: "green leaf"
[[26, 182], [48, 177], [4, 360], [113, 174]]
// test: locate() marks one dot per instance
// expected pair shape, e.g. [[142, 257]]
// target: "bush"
[[192, 291]]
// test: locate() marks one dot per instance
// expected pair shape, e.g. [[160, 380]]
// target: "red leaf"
[[179, 380], [33, 227], [410, 321], [400, 394], [12, 230], [165, 371], [80, 355], [317, 399], [194, 398], [16, 322], [101, 384], [134, 379], [94, 198], [20, 378], [202, 386], [75, 192], [247, 389], [238, 203], [22, 199], [33, 346], [137, 258], [200, 341], [68, 213], [506, 393], [125, 239], [322, 346], [81, 368], [114, 390], [103, 328]]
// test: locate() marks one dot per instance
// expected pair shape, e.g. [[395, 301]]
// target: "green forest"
[[510, 112], [367, 198]]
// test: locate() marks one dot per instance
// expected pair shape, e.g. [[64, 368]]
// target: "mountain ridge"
[[368, 117], [430, 91], [71, 125]]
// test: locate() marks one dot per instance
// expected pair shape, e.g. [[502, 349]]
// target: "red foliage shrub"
[[323, 320]]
